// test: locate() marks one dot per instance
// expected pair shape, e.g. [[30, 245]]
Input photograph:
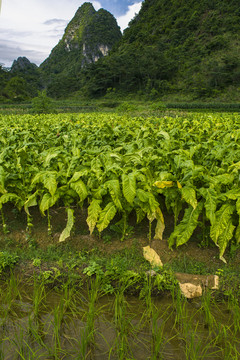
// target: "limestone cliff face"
[[89, 36]]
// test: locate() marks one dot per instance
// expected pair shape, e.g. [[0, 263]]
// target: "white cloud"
[[54, 21], [132, 11], [28, 26], [32, 28], [96, 5], [11, 50]]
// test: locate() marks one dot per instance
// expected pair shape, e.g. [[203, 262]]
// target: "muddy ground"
[[109, 242]]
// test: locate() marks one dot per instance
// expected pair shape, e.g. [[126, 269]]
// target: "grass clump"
[[7, 260]]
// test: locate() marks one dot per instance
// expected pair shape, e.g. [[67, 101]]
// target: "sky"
[[31, 28]]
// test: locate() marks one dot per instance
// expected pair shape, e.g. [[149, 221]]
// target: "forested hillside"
[[171, 47], [88, 37], [21, 82], [175, 46]]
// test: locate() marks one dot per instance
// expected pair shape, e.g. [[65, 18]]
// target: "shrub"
[[42, 104]]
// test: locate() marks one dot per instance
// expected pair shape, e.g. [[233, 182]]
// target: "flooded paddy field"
[[81, 321]]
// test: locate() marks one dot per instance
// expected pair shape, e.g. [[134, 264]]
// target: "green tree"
[[42, 104], [16, 89]]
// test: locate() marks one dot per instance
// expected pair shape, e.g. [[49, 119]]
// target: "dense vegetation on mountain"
[[175, 46], [21, 82], [170, 47], [88, 37], [4, 77]]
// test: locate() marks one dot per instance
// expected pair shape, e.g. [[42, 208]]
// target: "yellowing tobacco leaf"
[[94, 210], [160, 224], [179, 185], [151, 256], [70, 222], [163, 184]]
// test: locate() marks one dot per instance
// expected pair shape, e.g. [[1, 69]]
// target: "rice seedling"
[[123, 326], [35, 330], [159, 339], [39, 296], [179, 303], [206, 309], [198, 345], [69, 298], [146, 294], [10, 294], [233, 306], [230, 351], [87, 334], [22, 349], [58, 313], [83, 344], [1, 348]]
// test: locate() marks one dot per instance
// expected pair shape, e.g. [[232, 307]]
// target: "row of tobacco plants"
[[118, 165]]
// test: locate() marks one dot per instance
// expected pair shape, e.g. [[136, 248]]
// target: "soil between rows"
[[109, 242]]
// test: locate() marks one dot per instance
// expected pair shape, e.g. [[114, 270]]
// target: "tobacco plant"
[[116, 165]]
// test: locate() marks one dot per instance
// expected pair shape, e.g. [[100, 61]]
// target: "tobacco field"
[[185, 166]]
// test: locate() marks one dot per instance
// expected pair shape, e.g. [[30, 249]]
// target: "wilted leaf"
[[163, 184], [70, 222], [160, 224], [94, 210], [151, 256]]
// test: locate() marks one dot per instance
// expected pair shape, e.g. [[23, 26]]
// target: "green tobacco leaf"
[[184, 230], [80, 189], [106, 215], [115, 192], [99, 192], [70, 222], [164, 134], [189, 195], [224, 238], [238, 206], [2, 179], [223, 216], [49, 157], [153, 205], [77, 175], [233, 194], [129, 186], [94, 210], [31, 201], [237, 233], [142, 195], [48, 201], [140, 214], [210, 203], [12, 198], [223, 179], [48, 179]]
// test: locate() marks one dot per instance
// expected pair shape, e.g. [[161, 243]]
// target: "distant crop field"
[[117, 165]]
